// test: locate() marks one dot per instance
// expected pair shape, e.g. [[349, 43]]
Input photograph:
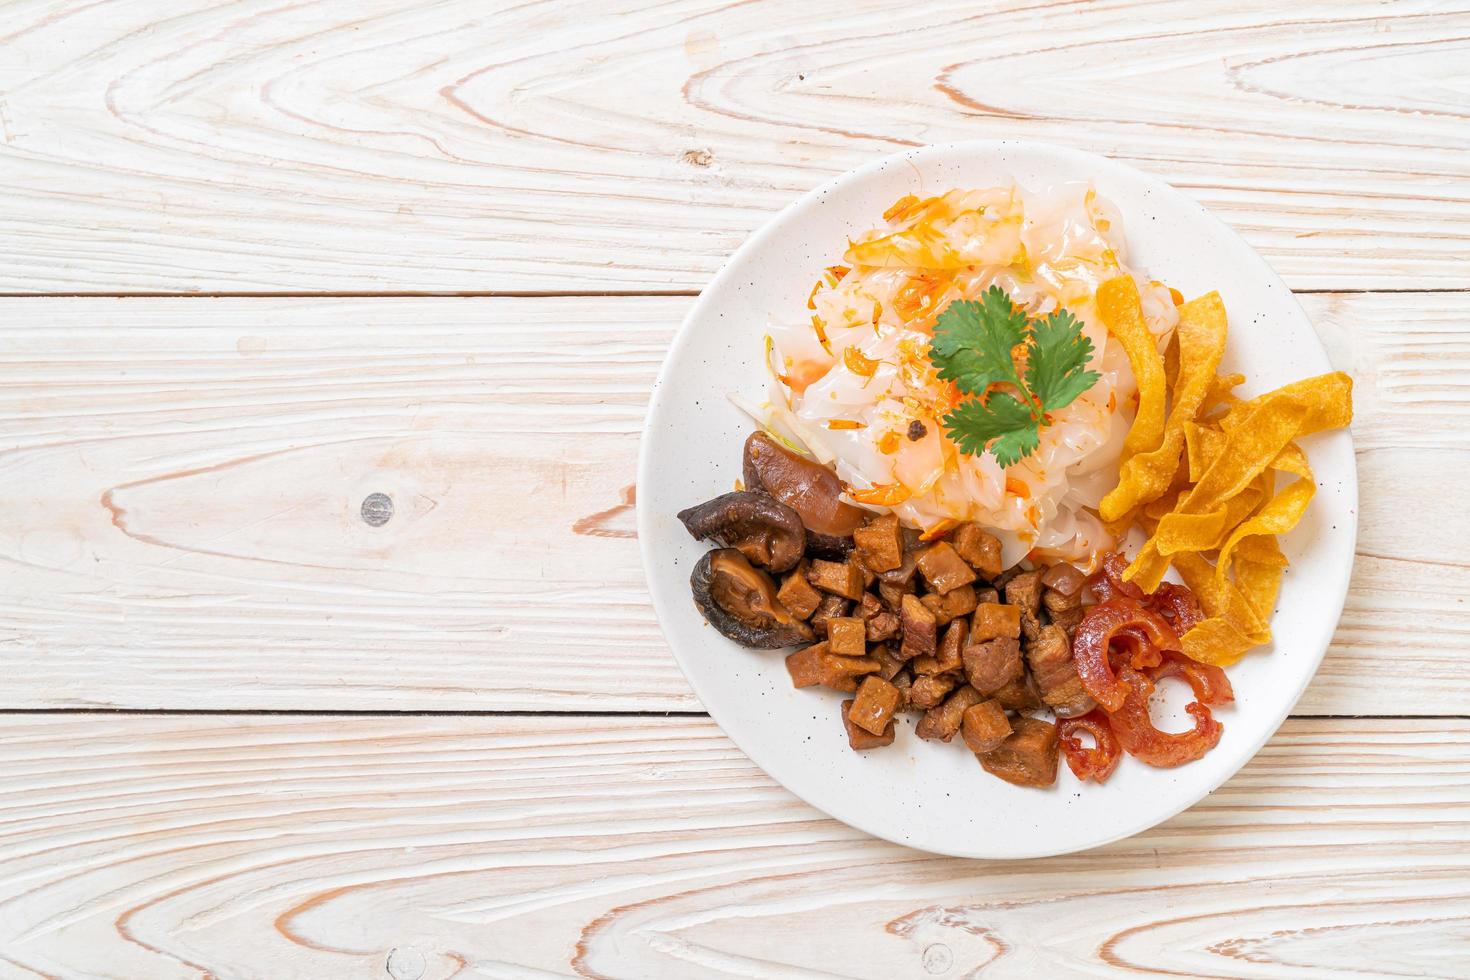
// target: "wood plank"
[[458, 146], [191, 473], [438, 847]]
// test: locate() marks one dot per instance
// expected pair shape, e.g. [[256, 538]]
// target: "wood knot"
[[377, 509], [405, 963], [698, 158], [938, 958]]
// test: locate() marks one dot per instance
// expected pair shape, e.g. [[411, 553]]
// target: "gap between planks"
[[537, 294], [513, 713]]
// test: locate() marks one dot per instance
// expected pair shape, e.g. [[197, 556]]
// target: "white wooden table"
[[263, 260]]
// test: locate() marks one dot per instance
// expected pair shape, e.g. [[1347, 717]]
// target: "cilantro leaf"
[[1056, 366], [973, 341], [973, 346], [1002, 423]]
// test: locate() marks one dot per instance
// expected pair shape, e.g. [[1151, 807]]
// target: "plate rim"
[[1090, 163]]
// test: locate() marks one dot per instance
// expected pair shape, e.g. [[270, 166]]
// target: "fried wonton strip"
[[1216, 641], [1279, 515], [1259, 581], [1207, 532], [1118, 305], [1221, 394], [1219, 599], [1261, 431], [1146, 476], [1202, 445]]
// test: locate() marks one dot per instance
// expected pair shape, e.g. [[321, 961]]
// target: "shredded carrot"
[[811, 299], [939, 530], [877, 314], [1177, 296], [882, 495], [820, 326], [837, 272], [1016, 487], [889, 442], [899, 206], [859, 364], [919, 296], [845, 424]]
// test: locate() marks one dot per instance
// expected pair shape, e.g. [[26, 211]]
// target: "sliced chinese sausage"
[[758, 525], [807, 487], [740, 601]]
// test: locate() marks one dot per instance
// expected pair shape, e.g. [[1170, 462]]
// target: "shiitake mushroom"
[[740, 601], [808, 487], [758, 525]]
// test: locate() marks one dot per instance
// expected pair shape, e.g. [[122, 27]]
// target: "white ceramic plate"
[[932, 795]]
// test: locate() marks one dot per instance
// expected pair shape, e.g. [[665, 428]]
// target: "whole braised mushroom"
[[758, 525], [740, 601], [808, 487]]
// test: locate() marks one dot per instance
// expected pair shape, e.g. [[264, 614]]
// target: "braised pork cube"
[[1050, 658], [883, 626], [993, 664], [831, 607], [848, 636], [1028, 756], [1019, 695], [878, 622], [942, 723], [798, 595], [879, 543], [844, 578], [960, 602], [1069, 619], [994, 619], [985, 726], [904, 573], [982, 596], [981, 551], [873, 708], [1024, 592], [950, 654], [892, 595], [816, 664], [860, 740], [904, 681], [889, 663], [930, 690], [1056, 604], [920, 629], [1064, 579], [943, 568], [805, 665]]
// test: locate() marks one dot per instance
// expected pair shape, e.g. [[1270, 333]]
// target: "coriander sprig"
[[974, 345]]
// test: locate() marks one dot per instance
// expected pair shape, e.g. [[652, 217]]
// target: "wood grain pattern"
[[191, 473], [306, 848], [463, 146]]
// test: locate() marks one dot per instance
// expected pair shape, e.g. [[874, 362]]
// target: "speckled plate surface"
[[931, 795]]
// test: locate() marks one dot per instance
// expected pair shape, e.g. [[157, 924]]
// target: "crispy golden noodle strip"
[[1118, 305], [1257, 436], [1279, 515], [1220, 599], [1220, 393], [1216, 641], [1146, 476], [1202, 480]]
